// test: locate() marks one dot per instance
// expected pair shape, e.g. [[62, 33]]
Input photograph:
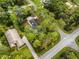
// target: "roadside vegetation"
[[77, 40], [67, 53]]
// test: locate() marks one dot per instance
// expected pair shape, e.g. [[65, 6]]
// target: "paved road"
[[75, 33], [62, 34], [66, 40], [74, 46]]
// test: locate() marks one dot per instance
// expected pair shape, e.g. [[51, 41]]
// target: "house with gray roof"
[[31, 21]]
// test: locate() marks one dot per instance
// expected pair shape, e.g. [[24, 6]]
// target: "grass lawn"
[[22, 53]]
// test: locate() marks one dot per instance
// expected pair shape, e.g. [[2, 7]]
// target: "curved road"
[[66, 40]]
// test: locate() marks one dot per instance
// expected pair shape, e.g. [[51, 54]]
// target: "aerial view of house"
[[39, 29]]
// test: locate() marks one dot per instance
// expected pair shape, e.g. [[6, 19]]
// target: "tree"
[[22, 14], [72, 56], [5, 57], [37, 43], [14, 20], [31, 37], [19, 2], [3, 16], [55, 36], [58, 7], [41, 36]]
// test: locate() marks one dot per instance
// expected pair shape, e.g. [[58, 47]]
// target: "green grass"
[[77, 40], [48, 48], [22, 53], [44, 50], [57, 56]]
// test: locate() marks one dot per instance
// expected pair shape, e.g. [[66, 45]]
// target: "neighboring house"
[[13, 38], [70, 5], [31, 21]]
